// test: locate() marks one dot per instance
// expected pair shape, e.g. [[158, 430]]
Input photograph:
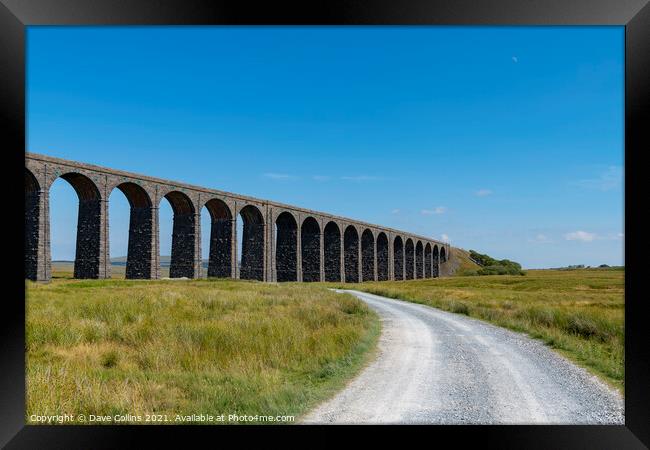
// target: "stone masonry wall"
[[398, 260], [419, 261], [86, 264], [427, 262], [351, 255], [332, 260], [310, 246], [286, 251], [252, 259], [315, 250], [382, 258], [138, 262], [367, 257], [32, 200], [219, 262], [182, 257], [409, 257]]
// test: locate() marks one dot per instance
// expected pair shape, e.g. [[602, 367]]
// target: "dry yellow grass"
[[109, 347]]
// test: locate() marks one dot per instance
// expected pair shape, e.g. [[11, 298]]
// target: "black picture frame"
[[634, 15]]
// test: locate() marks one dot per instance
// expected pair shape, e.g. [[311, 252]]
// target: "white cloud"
[[444, 237], [437, 210], [583, 236], [541, 238], [611, 178], [360, 178], [483, 192], [278, 176], [395, 211], [515, 59]]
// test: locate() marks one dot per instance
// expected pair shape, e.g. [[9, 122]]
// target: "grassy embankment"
[[578, 312], [189, 347]]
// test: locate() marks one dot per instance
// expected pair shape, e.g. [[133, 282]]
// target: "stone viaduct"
[[279, 242]]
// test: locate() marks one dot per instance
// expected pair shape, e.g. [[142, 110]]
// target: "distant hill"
[[165, 261]]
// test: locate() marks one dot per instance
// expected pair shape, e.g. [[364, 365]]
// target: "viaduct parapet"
[[279, 243]]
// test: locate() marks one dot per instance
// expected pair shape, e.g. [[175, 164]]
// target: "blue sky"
[[506, 140]]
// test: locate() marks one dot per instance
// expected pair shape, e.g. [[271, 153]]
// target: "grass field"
[[110, 347], [205, 346], [578, 312]]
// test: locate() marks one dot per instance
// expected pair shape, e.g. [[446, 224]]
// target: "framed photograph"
[[325, 216]]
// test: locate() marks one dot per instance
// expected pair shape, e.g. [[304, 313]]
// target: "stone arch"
[[31, 183], [382, 257], [310, 249], [367, 255], [419, 260], [409, 259], [398, 258], [443, 255], [183, 256], [136, 195], [139, 256], [220, 254], [85, 188], [87, 259], [32, 224], [436, 262], [427, 261], [286, 247], [351, 254], [252, 254], [332, 251]]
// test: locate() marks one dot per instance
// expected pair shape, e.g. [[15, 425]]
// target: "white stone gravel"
[[441, 368]]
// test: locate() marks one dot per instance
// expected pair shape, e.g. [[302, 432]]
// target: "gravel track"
[[441, 368]]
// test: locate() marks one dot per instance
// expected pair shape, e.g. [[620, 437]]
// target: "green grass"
[[578, 312], [205, 346], [460, 263], [109, 347]]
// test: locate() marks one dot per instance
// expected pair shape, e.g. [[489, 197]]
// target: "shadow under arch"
[[220, 253], [89, 221], [382, 257], [286, 247], [436, 262], [139, 256], [252, 254], [398, 258], [409, 259], [419, 260], [332, 251], [183, 256], [367, 255], [351, 254], [32, 224], [427, 261], [310, 249]]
